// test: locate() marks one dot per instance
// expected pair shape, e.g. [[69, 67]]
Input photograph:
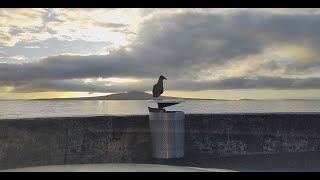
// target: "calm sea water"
[[29, 109]]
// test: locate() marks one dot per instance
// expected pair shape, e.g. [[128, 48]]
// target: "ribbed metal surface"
[[167, 133]]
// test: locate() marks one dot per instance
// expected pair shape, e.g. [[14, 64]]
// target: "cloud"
[[77, 85], [25, 20], [17, 57], [195, 42], [37, 25], [70, 67], [43, 86], [111, 25], [192, 48], [32, 47], [11, 59], [95, 25], [2, 54]]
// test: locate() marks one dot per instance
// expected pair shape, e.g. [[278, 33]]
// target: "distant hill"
[[133, 95]]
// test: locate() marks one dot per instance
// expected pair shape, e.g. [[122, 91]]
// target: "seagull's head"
[[162, 77]]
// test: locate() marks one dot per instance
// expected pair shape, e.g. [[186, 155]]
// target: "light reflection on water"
[[23, 109]]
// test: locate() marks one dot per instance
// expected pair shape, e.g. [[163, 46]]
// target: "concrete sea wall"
[[126, 139]]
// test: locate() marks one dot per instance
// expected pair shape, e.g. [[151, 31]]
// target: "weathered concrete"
[[78, 140], [126, 139], [243, 134]]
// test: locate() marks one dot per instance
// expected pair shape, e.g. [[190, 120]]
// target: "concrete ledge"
[[126, 139]]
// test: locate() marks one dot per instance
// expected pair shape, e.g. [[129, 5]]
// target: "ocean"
[[67, 108]]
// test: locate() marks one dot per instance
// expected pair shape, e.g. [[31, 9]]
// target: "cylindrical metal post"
[[167, 134]]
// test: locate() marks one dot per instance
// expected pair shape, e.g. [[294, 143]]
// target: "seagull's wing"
[[154, 90]]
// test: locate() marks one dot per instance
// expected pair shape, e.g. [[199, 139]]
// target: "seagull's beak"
[[164, 78]]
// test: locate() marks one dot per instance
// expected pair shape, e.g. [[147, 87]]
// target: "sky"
[[223, 53]]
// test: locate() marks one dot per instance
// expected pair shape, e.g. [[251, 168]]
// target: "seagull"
[[158, 88]]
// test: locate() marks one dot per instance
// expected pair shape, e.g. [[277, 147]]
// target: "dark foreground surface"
[[283, 162]]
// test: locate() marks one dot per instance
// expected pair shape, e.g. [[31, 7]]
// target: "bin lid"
[[166, 102]]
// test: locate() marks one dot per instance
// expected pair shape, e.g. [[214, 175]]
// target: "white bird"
[[158, 88]]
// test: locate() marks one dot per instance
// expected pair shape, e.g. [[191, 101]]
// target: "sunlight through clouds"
[[118, 80], [107, 25]]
